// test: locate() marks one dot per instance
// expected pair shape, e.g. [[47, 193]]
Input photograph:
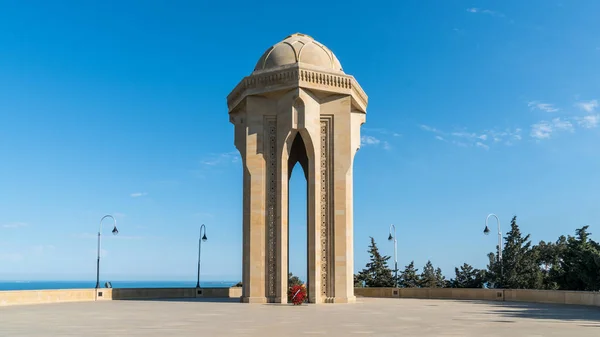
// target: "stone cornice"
[[298, 75]]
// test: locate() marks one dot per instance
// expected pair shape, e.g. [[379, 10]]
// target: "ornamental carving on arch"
[[271, 206], [325, 206]]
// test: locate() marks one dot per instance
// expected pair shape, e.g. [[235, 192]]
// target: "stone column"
[[249, 140], [345, 142]]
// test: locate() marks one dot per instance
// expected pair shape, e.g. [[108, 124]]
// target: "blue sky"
[[118, 107]]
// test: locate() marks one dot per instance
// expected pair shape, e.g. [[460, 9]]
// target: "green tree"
[[468, 277], [428, 278], [294, 280], [377, 273], [494, 270], [357, 282], [556, 271], [549, 256], [519, 268], [580, 263], [409, 277], [440, 279]]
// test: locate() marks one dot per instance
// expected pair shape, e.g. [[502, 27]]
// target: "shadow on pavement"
[[561, 312]]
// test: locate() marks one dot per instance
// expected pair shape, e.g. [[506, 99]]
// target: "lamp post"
[[486, 231], [115, 231], [390, 238], [200, 239]]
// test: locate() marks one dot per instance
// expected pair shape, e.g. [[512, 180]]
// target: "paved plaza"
[[368, 317]]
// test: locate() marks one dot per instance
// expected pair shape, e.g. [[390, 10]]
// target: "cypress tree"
[[428, 278], [468, 277], [377, 273], [518, 261], [409, 277], [440, 279], [581, 263]]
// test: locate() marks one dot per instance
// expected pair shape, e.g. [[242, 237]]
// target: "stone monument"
[[297, 106]]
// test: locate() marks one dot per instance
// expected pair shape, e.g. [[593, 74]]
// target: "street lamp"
[[115, 231], [200, 239], [390, 238], [486, 231]]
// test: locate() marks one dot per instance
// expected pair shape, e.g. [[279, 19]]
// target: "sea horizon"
[[88, 284]]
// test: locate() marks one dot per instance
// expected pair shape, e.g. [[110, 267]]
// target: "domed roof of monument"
[[298, 48]]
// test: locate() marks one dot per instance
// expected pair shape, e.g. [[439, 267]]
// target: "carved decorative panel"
[[325, 206], [271, 206]]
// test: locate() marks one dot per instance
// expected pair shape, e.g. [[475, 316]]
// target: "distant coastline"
[[46, 285]]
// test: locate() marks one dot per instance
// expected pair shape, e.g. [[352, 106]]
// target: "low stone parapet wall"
[[46, 296], [508, 295], [16, 297]]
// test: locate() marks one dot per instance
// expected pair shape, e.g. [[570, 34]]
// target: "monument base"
[[282, 300], [344, 300], [253, 300]]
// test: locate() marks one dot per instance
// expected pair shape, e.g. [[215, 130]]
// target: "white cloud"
[[545, 129], [541, 130], [381, 131], [15, 225], [223, 158], [484, 11], [138, 194], [587, 106], [430, 129], [373, 141], [465, 138], [464, 134], [588, 122], [369, 140], [561, 124], [547, 107], [481, 145]]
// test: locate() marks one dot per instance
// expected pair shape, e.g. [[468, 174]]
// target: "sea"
[[42, 285]]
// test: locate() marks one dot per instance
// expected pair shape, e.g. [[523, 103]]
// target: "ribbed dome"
[[298, 48]]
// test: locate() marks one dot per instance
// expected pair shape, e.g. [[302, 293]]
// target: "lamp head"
[[486, 231], [204, 238], [115, 231], [390, 238]]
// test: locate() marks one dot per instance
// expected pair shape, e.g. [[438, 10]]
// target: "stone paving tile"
[[368, 317]]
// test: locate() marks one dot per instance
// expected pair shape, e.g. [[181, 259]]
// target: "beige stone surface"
[[298, 106], [46, 296], [22, 297], [509, 295], [367, 317]]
